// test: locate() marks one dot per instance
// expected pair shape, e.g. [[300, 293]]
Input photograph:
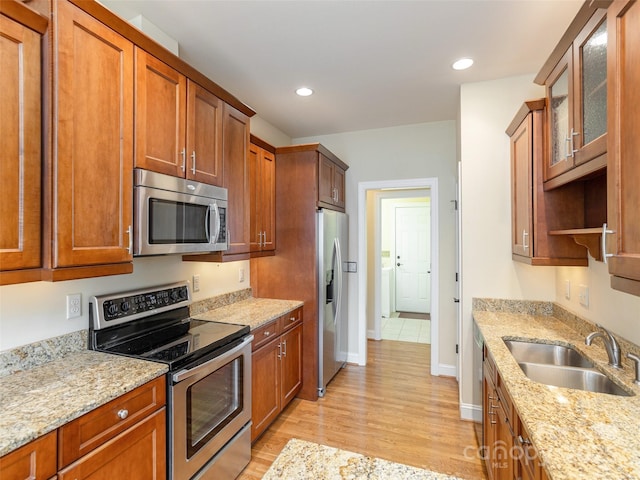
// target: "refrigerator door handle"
[[337, 268]]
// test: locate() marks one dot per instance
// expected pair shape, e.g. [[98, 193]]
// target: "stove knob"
[[112, 309], [125, 306]]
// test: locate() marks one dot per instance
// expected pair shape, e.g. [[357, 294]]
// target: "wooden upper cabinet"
[[262, 171], [577, 99], [331, 183], [161, 112], [236, 179], [91, 217], [20, 144], [623, 170], [204, 135], [178, 123], [535, 214]]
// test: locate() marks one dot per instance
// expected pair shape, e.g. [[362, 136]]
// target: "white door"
[[413, 259]]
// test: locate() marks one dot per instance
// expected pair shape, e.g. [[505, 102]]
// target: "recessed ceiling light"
[[462, 64], [304, 91]]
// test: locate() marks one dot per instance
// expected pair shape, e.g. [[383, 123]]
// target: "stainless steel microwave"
[[174, 215]]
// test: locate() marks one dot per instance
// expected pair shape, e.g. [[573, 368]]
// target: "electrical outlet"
[[567, 289], [74, 305], [241, 275], [196, 283], [583, 296]]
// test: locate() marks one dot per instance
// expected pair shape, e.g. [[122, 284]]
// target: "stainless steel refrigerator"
[[332, 248]]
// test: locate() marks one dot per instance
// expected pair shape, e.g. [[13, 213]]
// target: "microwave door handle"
[[217, 223]]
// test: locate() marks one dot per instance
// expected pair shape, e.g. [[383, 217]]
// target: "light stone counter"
[[250, 311], [302, 460], [39, 400], [578, 434]]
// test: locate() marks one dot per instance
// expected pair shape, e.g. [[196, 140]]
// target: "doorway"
[[371, 256]]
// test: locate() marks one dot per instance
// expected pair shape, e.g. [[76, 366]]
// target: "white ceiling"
[[372, 64]]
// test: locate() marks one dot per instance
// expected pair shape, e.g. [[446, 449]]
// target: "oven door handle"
[[190, 372]]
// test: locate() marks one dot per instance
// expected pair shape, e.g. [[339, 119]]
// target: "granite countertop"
[[578, 434], [40, 399], [310, 461], [254, 312]]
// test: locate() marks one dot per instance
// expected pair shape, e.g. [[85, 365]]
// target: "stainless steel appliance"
[[209, 379], [174, 215], [333, 241]]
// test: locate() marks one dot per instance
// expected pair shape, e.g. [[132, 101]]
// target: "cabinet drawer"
[[35, 460], [290, 320], [86, 433], [265, 333]]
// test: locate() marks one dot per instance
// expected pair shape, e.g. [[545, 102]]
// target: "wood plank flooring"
[[391, 409]]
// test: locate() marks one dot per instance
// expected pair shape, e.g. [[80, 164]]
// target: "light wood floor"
[[391, 409]]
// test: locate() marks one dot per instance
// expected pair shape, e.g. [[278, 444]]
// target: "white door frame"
[[414, 183]]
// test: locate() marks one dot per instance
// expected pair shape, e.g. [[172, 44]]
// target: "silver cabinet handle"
[[193, 162], [603, 243], [122, 414], [183, 153], [573, 149], [279, 350], [284, 348], [523, 441], [292, 319], [525, 237], [130, 233], [267, 333]]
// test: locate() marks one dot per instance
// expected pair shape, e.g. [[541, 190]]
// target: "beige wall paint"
[[267, 132], [424, 150]]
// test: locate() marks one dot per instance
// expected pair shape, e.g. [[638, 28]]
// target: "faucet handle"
[[636, 360]]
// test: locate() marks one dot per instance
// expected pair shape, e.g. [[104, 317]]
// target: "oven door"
[[173, 222], [209, 405]]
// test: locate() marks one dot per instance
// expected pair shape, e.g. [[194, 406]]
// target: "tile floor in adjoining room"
[[406, 329]]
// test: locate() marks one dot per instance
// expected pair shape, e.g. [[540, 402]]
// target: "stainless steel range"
[[209, 379]]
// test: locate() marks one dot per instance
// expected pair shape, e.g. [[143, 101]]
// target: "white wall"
[[413, 151], [31, 312], [486, 109], [267, 132]]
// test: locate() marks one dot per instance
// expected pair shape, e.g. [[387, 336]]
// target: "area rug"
[[301, 460], [416, 316]]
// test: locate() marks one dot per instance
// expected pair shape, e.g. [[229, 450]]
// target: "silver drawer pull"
[[122, 414], [293, 319], [267, 333]]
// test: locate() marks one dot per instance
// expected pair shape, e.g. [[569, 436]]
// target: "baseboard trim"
[[471, 412], [447, 370]]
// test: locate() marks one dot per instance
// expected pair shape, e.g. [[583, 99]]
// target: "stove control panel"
[[122, 307]]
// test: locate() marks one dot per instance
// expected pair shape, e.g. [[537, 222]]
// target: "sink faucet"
[[610, 344]]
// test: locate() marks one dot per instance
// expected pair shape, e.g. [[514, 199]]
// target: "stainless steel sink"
[[547, 354], [572, 377]]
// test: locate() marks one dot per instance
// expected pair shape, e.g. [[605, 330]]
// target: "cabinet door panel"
[[136, 453], [93, 177], [325, 180], [236, 178], [20, 140], [560, 102], [291, 345], [33, 461], [204, 136], [521, 171], [623, 170], [160, 116], [268, 199], [265, 387], [339, 185], [255, 197]]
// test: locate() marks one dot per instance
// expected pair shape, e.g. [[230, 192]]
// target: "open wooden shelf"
[[587, 237]]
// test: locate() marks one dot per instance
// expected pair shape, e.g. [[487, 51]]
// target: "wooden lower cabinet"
[[36, 460], [276, 371], [508, 451], [138, 452]]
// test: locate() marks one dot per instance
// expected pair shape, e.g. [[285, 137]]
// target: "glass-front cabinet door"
[[590, 54], [577, 100], [560, 103]]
